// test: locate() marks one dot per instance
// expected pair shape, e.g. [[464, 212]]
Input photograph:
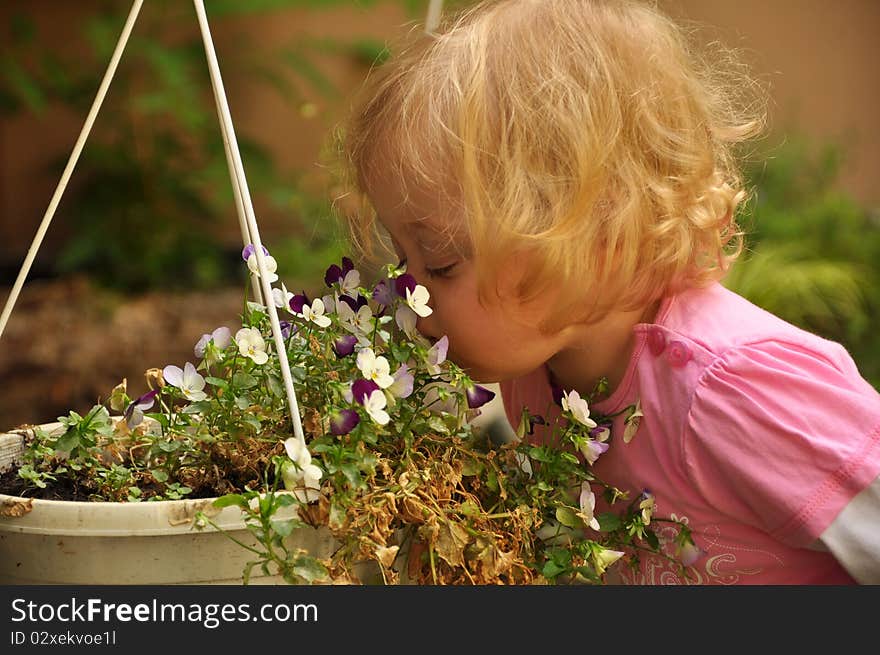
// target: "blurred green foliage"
[[152, 188], [813, 254]]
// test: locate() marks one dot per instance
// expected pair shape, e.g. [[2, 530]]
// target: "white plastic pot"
[[66, 542]]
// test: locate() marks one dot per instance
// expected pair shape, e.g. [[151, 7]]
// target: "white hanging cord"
[[71, 164], [239, 204], [229, 136], [432, 20]]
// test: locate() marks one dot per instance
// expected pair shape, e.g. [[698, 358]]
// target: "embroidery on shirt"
[[712, 568]]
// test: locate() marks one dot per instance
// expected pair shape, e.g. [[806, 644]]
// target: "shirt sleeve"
[[854, 536], [782, 436]]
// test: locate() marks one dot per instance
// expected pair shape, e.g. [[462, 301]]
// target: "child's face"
[[493, 340]]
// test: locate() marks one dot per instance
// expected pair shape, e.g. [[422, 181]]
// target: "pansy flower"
[[344, 345], [577, 406], [250, 256], [282, 297], [347, 277], [210, 346], [343, 421], [315, 313], [437, 355], [134, 413], [299, 475], [417, 300], [478, 396], [375, 405], [252, 345], [375, 368], [187, 380], [605, 557], [402, 387], [298, 302], [596, 445], [587, 503]]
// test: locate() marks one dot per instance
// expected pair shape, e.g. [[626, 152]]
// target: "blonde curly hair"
[[590, 134]]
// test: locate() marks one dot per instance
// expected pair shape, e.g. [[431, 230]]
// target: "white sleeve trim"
[[854, 536]]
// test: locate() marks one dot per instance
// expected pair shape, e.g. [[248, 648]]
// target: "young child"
[[560, 174]]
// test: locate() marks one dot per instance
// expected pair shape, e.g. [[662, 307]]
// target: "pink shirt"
[[755, 433]]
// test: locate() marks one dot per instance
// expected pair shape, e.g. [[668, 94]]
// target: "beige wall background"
[[819, 58]]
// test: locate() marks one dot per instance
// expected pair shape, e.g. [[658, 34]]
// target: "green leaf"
[[652, 539], [471, 467], [159, 475], [217, 382], [609, 522], [551, 570], [275, 387], [200, 407], [252, 421], [567, 517], [231, 499], [244, 380], [67, 441], [285, 527]]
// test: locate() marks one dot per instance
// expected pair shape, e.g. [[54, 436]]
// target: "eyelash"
[[433, 272], [440, 272]]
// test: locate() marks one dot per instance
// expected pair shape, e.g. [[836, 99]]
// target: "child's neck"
[[600, 350]]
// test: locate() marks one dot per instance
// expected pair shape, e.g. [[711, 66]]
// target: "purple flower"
[[343, 421], [336, 274], [404, 282], [134, 413], [403, 382], [478, 396], [382, 294], [592, 449], [299, 301], [344, 345], [286, 329], [249, 250], [355, 304], [362, 389]]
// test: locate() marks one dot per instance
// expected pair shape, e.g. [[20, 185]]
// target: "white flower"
[[270, 264], [605, 557], [301, 476], [632, 422], [437, 355], [350, 283], [572, 402], [417, 300], [375, 406], [311, 491], [282, 298], [406, 319], [219, 337], [588, 505], [187, 380], [375, 368], [315, 313], [298, 452], [251, 344]]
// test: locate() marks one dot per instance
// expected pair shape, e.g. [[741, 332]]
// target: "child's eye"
[[441, 272]]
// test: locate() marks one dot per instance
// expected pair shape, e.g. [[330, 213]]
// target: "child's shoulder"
[[720, 323]]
